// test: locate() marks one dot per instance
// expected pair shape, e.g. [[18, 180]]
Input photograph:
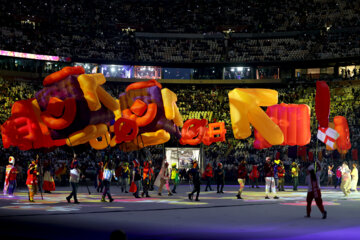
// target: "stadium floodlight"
[[112, 69], [239, 69]]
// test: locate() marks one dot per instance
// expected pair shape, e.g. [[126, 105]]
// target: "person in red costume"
[[49, 184], [241, 177], [314, 192], [208, 176], [254, 176], [100, 173], [10, 177], [147, 175], [32, 181]]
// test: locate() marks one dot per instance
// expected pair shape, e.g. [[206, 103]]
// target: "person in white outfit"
[[354, 177], [345, 179], [163, 178]]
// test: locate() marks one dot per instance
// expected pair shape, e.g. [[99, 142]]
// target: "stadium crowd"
[[309, 30]]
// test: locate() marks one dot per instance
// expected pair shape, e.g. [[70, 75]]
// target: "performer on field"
[[281, 175], [330, 175], [194, 175], [109, 173], [163, 178], [100, 172], [354, 177], [74, 180], [208, 176], [32, 181], [314, 192], [345, 179], [136, 177], [10, 177], [254, 176], [125, 176], [241, 177], [220, 178], [49, 184], [295, 175], [174, 177], [147, 175], [269, 178]]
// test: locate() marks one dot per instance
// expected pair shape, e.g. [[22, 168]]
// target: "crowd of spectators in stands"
[[107, 31], [196, 16]]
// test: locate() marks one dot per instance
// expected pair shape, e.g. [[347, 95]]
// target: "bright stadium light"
[[112, 69], [239, 69], [232, 69]]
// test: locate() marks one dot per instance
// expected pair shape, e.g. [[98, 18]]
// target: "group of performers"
[[31, 180], [346, 178], [274, 179]]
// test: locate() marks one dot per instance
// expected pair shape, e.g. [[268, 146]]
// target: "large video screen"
[[119, 71], [147, 72], [182, 156]]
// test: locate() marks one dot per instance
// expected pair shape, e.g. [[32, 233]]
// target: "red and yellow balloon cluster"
[[294, 122], [196, 131], [149, 116], [335, 135], [282, 124], [73, 108]]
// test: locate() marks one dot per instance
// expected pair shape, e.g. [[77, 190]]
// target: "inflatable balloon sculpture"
[[342, 142], [245, 108], [25, 128], [149, 116], [326, 133], [74, 109], [335, 135], [294, 122], [282, 124], [322, 103], [196, 131]]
